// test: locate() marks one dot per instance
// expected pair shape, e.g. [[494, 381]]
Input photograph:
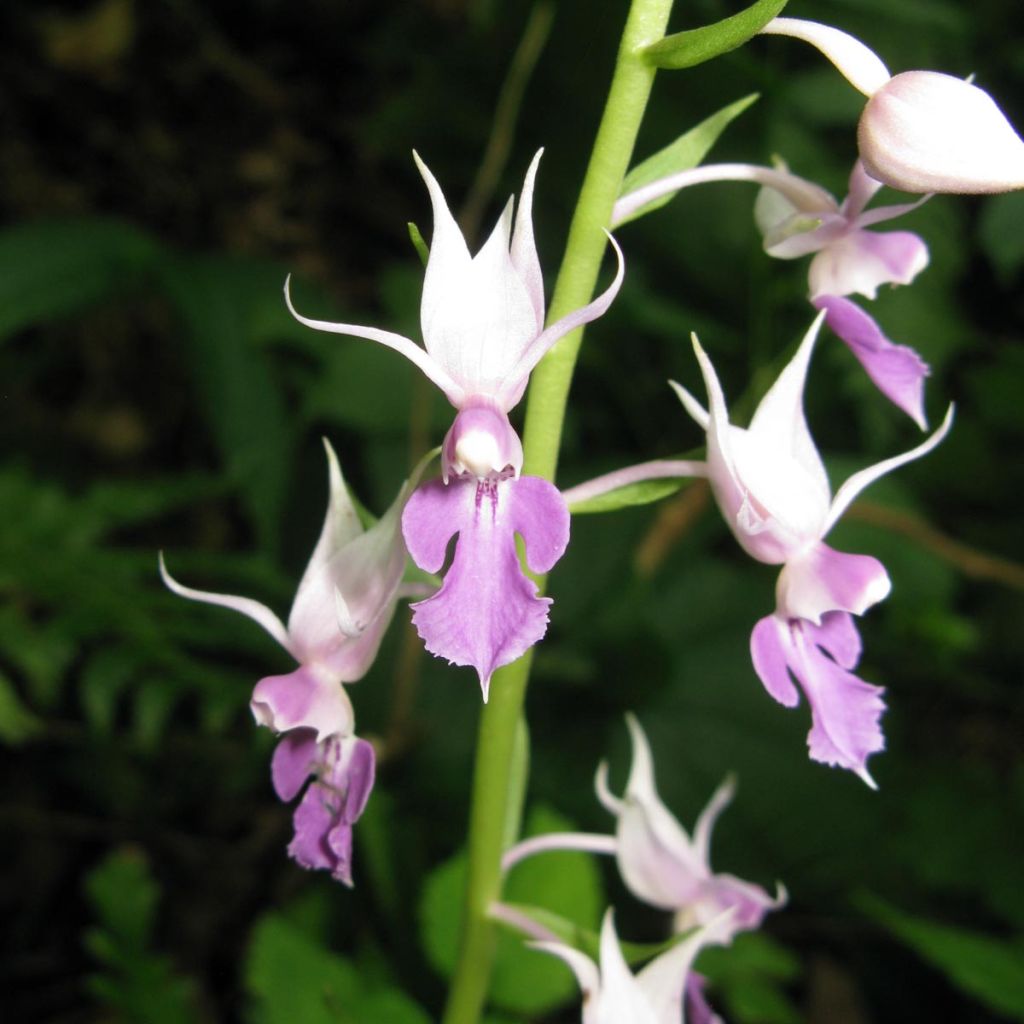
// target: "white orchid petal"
[[406, 346], [860, 66], [524, 248], [849, 491], [258, 612]]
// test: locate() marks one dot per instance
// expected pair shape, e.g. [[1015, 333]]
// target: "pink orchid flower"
[[658, 861], [921, 131], [772, 488], [338, 618], [798, 217], [657, 995], [482, 319]]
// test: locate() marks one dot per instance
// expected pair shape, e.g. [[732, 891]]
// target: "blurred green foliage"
[[165, 166]]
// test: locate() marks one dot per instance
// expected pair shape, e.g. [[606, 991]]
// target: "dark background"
[[163, 165]]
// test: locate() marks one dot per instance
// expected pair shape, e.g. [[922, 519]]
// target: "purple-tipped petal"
[[824, 580], [748, 902], [897, 370], [861, 261], [696, 1006], [294, 760], [845, 710], [303, 699], [928, 132], [486, 613]]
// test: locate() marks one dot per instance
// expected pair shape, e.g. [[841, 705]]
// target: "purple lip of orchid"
[[771, 486], [920, 131], [482, 319], [611, 993]]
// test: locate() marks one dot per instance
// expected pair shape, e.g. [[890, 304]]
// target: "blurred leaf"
[[687, 151], [56, 267], [1000, 234], [695, 46], [991, 970], [294, 980], [228, 307], [750, 974], [138, 986], [17, 723], [643, 493], [566, 883]]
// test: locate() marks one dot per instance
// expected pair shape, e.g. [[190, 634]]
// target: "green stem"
[[494, 787]]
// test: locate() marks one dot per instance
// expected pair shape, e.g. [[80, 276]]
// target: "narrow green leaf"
[[687, 151], [687, 49], [418, 243], [991, 970], [56, 267], [643, 493]]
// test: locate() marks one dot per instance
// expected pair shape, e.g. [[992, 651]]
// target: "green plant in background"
[[648, 612]]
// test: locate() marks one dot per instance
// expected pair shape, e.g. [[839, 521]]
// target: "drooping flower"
[[921, 131], [482, 319], [664, 866], [796, 218], [852, 260], [658, 861], [341, 610], [656, 995], [773, 491]]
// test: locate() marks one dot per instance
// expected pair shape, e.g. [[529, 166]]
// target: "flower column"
[[496, 789]]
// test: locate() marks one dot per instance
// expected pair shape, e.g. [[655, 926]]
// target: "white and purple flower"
[[656, 995], [773, 491], [798, 217], [482, 319], [341, 610], [920, 131], [658, 861]]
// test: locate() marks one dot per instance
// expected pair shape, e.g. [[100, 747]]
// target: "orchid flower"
[[658, 861], [921, 131], [613, 995], [482, 319], [797, 218], [339, 615], [772, 489]]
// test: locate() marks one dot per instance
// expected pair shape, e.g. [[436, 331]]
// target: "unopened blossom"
[[341, 610], [921, 131], [656, 995], [482, 319], [797, 218], [772, 488]]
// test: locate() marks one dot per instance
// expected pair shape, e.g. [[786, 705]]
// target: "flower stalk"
[[495, 786]]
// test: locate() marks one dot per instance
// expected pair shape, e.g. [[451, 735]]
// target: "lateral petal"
[[861, 261], [823, 580], [294, 760], [303, 699]]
